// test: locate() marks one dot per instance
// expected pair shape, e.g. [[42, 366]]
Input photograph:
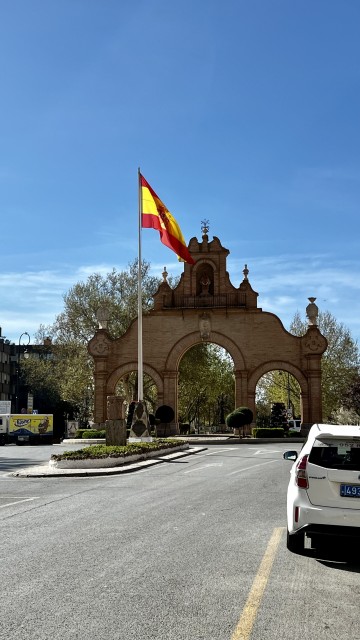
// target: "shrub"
[[293, 434], [277, 432], [93, 433], [239, 418], [164, 413]]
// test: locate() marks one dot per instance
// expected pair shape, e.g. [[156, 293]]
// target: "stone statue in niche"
[[205, 284]]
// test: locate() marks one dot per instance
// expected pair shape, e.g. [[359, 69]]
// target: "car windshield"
[[336, 454]]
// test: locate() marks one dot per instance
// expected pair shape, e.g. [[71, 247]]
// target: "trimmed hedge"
[[103, 451], [276, 432], [90, 433], [94, 433]]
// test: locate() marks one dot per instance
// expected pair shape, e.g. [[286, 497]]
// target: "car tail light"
[[301, 478]]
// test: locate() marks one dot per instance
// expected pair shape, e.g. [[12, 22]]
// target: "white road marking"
[[206, 466], [261, 464], [219, 451], [260, 451], [9, 504]]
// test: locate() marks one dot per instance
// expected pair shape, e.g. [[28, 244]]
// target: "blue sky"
[[242, 113]]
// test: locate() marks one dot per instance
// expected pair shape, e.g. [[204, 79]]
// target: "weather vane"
[[205, 226]]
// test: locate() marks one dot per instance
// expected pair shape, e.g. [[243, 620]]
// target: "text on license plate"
[[350, 490]]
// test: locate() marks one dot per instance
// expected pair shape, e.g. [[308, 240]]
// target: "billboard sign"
[[25, 424]]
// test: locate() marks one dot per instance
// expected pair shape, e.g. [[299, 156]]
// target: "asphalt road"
[[192, 549]]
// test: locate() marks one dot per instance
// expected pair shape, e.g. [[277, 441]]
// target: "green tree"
[[277, 386], [278, 416], [351, 399], [340, 362], [68, 376], [117, 291], [239, 418], [127, 387]]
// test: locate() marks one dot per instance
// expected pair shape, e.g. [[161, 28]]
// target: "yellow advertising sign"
[[27, 423]]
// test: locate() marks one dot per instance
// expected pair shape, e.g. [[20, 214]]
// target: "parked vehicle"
[[26, 428], [4, 428], [294, 425], [323, 498]]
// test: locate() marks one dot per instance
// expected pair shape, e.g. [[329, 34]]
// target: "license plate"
[[350, 490], [23, 438]]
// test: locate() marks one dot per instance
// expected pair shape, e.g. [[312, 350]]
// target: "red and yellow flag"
[[155, 215]]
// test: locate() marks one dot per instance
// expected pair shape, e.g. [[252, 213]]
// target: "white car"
[[323, 499]]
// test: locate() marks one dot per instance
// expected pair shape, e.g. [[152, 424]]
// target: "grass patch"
[[98, 451]]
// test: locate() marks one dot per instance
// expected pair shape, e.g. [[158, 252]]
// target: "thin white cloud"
[[284, 284]]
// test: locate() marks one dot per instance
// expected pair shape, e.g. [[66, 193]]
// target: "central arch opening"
[[206, 389]]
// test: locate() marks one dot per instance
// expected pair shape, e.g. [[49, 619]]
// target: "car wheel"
[[295, 542]]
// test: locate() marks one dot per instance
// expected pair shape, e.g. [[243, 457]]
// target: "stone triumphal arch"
[[206, 306]]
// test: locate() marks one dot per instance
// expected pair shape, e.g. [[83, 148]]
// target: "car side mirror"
[[290, 455]]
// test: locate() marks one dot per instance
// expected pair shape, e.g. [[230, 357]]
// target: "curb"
[[251, 441], [43, 471]]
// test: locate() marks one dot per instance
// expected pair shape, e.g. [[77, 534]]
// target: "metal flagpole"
[[140, 340]]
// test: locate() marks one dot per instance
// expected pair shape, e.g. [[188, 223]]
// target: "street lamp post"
[[288, 392], [17, 403]]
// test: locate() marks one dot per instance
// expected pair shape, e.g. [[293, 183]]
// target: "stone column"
[[304, 407], [244, 397], [116, 423], [99, 348], [315, 405], [241, 388], [99, 396], [314, 345]]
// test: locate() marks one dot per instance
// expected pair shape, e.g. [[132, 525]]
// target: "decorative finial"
[[312, 312], [246, 272], [102, 316], [165, 274], [205, 227]]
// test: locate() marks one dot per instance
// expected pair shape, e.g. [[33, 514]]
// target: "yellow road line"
[[247, 618]]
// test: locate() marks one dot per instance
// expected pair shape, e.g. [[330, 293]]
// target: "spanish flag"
[[155, 215]]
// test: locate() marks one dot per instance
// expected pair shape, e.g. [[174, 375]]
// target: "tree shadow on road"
[[15, 464]]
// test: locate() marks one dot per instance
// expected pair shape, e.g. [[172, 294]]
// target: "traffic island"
[[130, 464], [104, 457]]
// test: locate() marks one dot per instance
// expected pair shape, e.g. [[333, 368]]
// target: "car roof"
[[339, 430]]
